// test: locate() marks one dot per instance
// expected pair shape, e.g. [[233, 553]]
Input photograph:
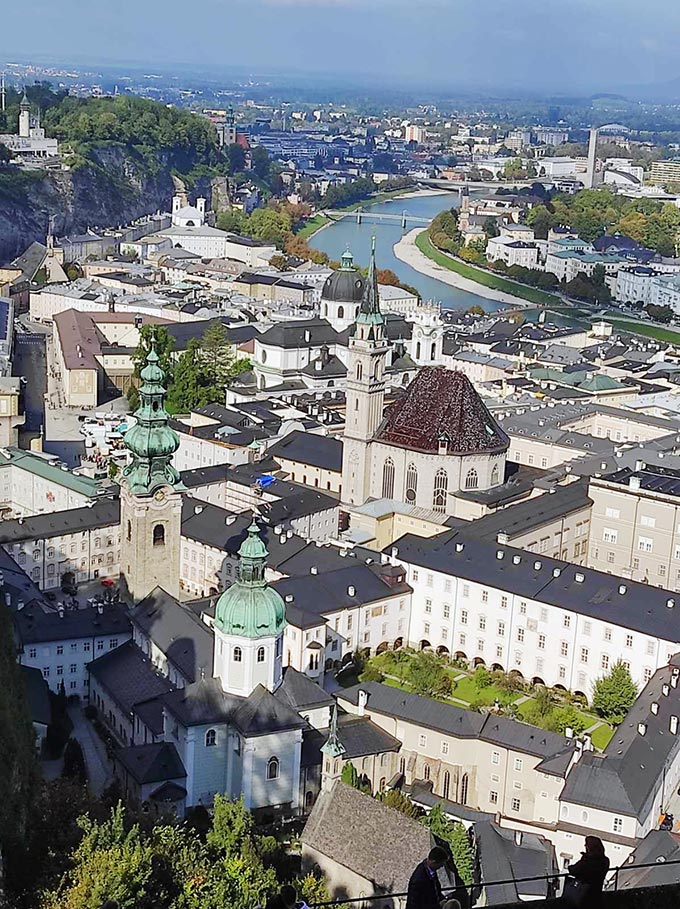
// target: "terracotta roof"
[[442, 403]]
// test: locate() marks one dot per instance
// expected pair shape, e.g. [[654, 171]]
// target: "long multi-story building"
[[549, 621]]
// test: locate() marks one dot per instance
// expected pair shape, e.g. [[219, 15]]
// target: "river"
[[336, 237]]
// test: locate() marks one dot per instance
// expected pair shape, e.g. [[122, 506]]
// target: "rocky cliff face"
[[115, 186]]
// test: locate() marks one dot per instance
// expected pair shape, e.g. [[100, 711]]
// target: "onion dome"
[[250, 608], [151, 441]]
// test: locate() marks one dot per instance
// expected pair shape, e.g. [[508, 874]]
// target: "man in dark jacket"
[[424, 889]]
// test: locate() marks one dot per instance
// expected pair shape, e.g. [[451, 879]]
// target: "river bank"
[[406, 251]]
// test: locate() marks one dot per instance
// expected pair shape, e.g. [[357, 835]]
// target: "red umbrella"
[[108, 582]]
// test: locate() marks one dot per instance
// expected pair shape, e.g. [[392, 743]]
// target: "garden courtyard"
[[453, 682]]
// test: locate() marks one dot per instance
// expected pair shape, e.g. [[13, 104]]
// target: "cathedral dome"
[[250, 608], [346, 285]]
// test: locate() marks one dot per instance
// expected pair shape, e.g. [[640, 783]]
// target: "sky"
[[545, 45]]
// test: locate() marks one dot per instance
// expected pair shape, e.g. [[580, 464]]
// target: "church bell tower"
[[151, 493], [364, 391]]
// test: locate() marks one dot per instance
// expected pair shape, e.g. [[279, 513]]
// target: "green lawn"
[[602, 736], [634, 327], [314, 224], [497, 282]]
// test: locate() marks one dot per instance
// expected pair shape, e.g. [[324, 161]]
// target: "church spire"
[[369, 311], [333, 747], [25, 103], [151, 441]]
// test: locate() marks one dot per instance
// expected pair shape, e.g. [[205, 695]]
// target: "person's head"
[[594, 845], [437, 858], [288, 896]]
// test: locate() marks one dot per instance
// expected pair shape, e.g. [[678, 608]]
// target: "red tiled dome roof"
[[442, 403]]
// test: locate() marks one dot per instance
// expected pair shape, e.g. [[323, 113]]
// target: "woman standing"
[[584, 888]]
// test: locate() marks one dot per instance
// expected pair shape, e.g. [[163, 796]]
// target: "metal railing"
[[474, 890]]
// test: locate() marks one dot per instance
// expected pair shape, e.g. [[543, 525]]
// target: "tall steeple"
[[250, 618], [365, 390], [151, 441], [151, 493], [333, 750]]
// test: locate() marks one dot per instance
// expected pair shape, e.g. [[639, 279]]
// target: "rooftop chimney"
[[516, 559], [500, 554], [579, 577], [634, 483], [673, 725], [460, 547], [289, 598], [622, 589], [665, 690], [557, 572], [655, 708], [537, 565], [569, 732], [518, 837], [642, 728], [670, 602], [502, 539], [313, 569], [362, 700], [351, 590]]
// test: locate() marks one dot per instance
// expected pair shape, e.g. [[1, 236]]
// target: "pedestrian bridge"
[[360, 215]]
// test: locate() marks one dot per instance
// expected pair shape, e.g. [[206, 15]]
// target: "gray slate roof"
[[455, 721], [37, 622], [595, 594], [622, 779], [103, 513], [300, 692], [186, 641], [129, 677], [153, 763], [378, 843], [501, 858], [306, 448], [38, 695]]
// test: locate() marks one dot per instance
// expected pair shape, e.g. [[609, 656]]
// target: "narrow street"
[[99, 772]]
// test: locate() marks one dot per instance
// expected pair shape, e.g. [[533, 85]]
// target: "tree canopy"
[[614, 693], [17, 743]]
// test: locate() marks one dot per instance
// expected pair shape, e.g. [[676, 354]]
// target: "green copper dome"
[[151, 440], [250, 607]]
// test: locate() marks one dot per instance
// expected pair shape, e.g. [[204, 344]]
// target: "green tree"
[[454, 834], [5, 154], [261, 162], [563, 717], [614, 693], [371, 674], [236, 157], [428, 675], [349, 775], [19, 774], [481, 677], [164, 344], [490, 227], [395, 798], [544, 701]]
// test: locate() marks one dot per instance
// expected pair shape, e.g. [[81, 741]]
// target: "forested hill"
[[121, 153]]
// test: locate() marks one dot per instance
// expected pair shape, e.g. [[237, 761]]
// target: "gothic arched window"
[[447, 784], [426, 772], [471, 479], [411, 483], [341, 312], [388, 479], [210, 738], [238, 655], [464, 786], [273, 768], [441, 485], [159, 535], [260, 654], [495, 476], [360, 371]]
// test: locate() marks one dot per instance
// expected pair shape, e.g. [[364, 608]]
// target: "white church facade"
[[436, 440]]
